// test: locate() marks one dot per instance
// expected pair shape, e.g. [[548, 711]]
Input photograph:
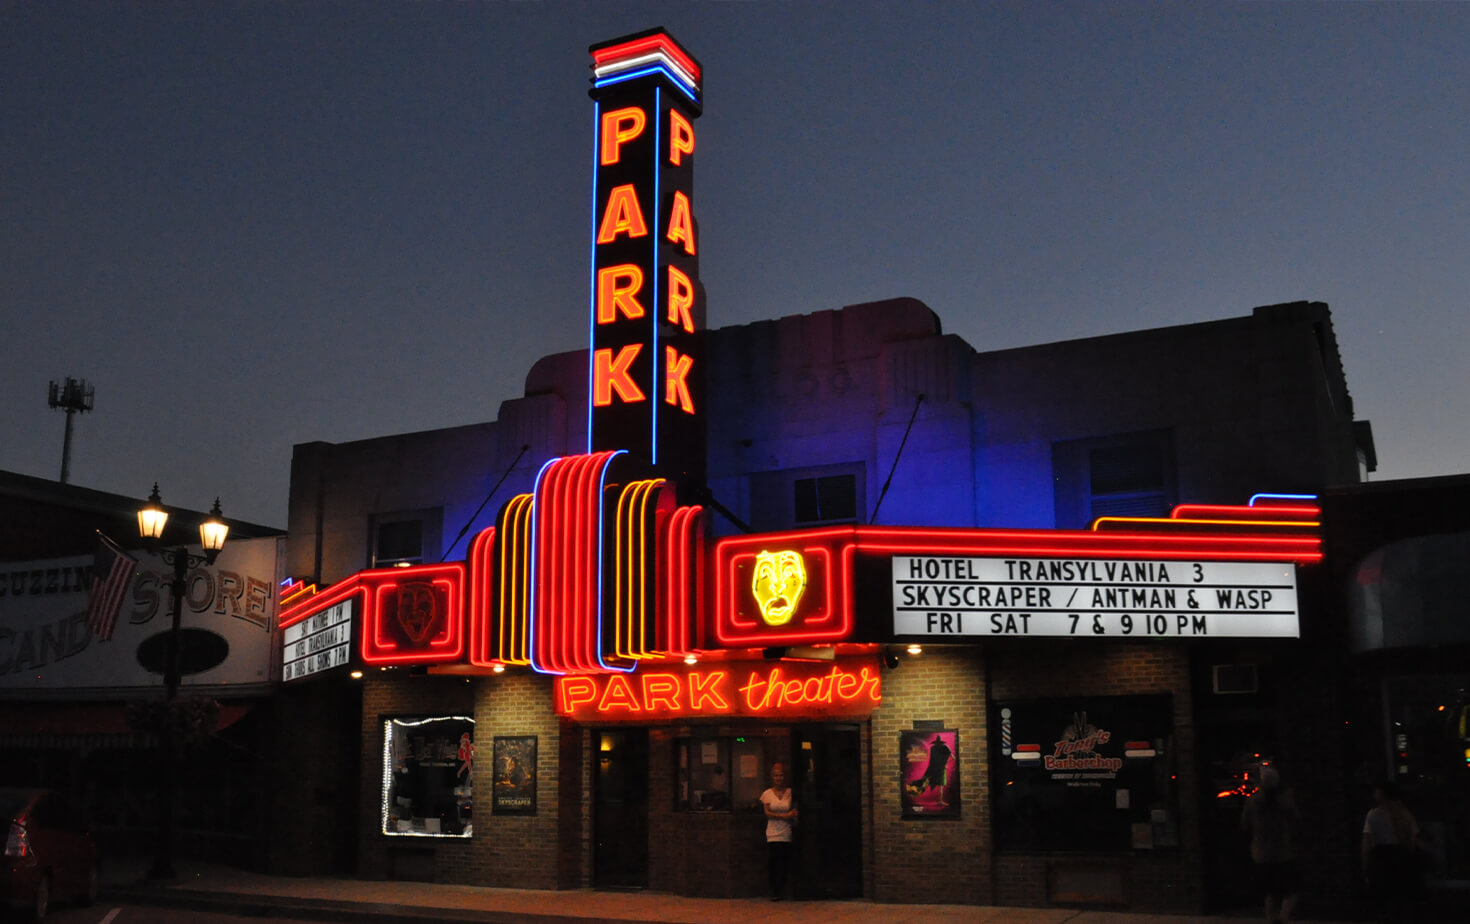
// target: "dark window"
[[1129, 475], [826, 499], [1130, 468], [786, 498], [1113, 784], [1129, 479], [400, 542]]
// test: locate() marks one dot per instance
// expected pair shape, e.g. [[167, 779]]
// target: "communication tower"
[[70, 395]]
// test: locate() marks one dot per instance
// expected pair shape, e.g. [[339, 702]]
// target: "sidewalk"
[[219, 888]]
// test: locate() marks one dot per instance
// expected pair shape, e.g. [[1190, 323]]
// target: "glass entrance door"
[[827, 776]]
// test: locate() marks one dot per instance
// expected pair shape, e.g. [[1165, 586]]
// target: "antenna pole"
[[902, 443], [70, 395]]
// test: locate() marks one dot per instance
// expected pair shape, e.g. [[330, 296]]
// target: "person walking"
[[1390, 855], [1270, 817], [780, 807]]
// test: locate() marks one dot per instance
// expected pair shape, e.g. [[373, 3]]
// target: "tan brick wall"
[[527, 851], [934, 859], [397, 693]]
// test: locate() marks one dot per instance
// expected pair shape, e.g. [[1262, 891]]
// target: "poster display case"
[[428, 773]]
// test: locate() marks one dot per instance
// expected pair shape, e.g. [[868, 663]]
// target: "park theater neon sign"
[[788, 688], [645, 365]]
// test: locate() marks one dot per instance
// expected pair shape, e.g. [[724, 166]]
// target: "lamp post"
[[212, 532]]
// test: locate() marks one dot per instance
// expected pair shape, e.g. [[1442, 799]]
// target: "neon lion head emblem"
[[779, 581]]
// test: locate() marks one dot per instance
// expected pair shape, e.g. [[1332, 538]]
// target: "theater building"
[[1014, 619]]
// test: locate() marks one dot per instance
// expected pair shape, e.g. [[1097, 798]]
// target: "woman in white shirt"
[[780, 806]]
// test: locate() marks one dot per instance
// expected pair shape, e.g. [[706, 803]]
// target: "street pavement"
[[214, 887]]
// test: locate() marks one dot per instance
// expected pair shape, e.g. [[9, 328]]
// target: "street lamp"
[[212, 532]]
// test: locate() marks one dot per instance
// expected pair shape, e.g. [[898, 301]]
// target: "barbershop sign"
[[1093, 598], [761, 688]]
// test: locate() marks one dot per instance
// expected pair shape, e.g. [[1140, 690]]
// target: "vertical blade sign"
[[646, 363]]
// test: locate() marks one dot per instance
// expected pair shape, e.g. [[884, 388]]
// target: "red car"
[[49, 851]]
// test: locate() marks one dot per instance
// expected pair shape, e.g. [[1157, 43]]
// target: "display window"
[[428, 768], [1085, 773]]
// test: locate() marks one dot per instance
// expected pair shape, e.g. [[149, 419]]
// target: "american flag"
[[112, 575]]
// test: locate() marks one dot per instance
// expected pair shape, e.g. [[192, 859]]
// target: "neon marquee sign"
[[755, 576], [731, 689], [620, 578], [645, 366]]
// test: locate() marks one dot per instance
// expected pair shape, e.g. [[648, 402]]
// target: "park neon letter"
[[676, 388], [617, 290], [681, 223], [610, 375], [576, 692], [681, 137], [622, 215], [681, 299], [618, 126]]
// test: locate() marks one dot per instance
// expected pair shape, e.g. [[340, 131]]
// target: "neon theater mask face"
[[778, 583]]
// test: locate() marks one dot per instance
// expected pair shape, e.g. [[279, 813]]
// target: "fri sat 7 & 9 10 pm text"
[[1125, 624]]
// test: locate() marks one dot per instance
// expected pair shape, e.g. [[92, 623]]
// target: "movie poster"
[[929, 773], [514, 788]]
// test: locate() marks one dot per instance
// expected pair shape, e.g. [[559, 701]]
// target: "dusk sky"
[[251, 225]]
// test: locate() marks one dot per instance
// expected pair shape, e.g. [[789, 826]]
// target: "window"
[[1130, 475], [829, 494], [428, 765], [406, 538], [718, 774], [1093, 773], [1128, 479], [400, 543], [825, 499]]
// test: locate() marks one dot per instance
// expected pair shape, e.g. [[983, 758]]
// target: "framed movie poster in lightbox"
[[513, 787], [929, 773]]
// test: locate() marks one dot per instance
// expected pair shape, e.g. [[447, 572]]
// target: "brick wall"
[[546, 850], [388, 693], [936, 859], [574, 812]]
